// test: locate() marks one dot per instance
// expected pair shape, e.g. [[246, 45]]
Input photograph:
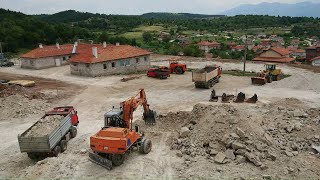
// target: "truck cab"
[[64, 111]]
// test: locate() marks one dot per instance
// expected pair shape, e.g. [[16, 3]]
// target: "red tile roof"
[[111, 52], [281, 51], [49, 51], [316, 58], [207, 43], [274, 59]]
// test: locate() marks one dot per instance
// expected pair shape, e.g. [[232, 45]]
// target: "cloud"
[[128, 6]]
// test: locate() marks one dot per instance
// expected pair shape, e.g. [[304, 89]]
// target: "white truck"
[[206, 77]]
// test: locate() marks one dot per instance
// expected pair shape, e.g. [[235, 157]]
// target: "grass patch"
[[132, 35], [149, 28]]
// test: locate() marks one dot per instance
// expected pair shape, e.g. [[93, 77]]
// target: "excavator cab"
[[113, 118]]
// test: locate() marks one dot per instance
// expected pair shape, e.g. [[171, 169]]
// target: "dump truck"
[[49, 135], [206, 77], [160, 72]]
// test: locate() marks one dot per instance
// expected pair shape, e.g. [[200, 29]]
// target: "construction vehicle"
[[176, 67], [4, 62], [206, 77], [159, 72], [267, 76], [110, 145], [55, 141]]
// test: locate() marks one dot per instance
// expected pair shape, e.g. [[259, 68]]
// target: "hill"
[[165, 15], [304, 9]]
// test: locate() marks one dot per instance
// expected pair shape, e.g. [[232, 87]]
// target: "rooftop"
[[274, 59], [49, 51], [207, 43], [281, 51]]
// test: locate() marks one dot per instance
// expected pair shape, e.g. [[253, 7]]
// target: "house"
[[238, 48], [231, 44], [207, 46], [295, 42], [47, 56], [266, 43], [312, 52], [99, 60], [278, 55], [316, 61]]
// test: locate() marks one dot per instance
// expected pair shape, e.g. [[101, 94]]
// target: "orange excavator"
[[110, 145]]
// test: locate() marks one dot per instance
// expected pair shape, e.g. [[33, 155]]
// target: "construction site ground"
[[179, 105]]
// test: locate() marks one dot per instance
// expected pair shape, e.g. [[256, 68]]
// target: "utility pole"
[[245, 56]]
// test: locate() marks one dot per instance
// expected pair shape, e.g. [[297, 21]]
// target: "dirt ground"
[[92, 97]]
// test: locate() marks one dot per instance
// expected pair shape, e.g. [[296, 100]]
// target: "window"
[[145, 59], [87, 65], [104, 66], [127, 62], [137, 60], [74, 64], [64, 58], [69, 57], [113, 64], [121, 63], [31, 63]]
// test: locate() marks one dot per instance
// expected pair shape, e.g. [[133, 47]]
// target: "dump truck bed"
[[47, 142], [205, 74]]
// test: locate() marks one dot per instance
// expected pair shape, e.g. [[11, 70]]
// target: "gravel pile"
[[44, 126]]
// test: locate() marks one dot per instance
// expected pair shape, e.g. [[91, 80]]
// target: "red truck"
[[160, 72], [55, 140]]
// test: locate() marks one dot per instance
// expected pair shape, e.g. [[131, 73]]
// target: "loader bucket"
[[150, 117], [253, 99], [258, 80], [104, 162]]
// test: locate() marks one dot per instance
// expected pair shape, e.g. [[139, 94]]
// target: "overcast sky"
[[129, 6]]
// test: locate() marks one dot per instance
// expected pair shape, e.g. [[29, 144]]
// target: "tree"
[[147, 36], [103, 37]]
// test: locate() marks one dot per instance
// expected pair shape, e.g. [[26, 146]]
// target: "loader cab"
[[113, 118], [270, 67]]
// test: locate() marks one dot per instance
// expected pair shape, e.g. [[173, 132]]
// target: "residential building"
[[206, 46], [100, 60], [312, 52], [238, 48], [295, 42], [278, 55], [47, 56], [266, 43]]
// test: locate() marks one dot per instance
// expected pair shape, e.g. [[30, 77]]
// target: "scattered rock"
[[269, 140], [288, 153], [295, 153], [267, 177], [219, 158], [289, 128], [272, 155], [83, 151], [237, 145], [213, 152], [240, 159], [229, 154], [264, 167], [234, 136], [298, 113], [253, 158], [179, 154], [240, 133], [184, 132], [297, 126]]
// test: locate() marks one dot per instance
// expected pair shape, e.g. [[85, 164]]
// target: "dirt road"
[[99, 94]]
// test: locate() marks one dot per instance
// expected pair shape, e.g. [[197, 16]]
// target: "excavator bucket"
[[253, 99], [150, 117], [104, 162], [259, 80], [213, 97], [240, 98]]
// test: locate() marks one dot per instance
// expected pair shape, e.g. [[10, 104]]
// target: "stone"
[[264, 167], [266, 177], [240, 159], [269, 140], [83, 151], [291, 170], [298, 113], [225, 139], [213, 145], [219, 169], [229, 154], [317, 137], [179, 141], [281, 108], [237, 145], [193, 122], [295, 153], [226, 160], [234, 136], [272, 155], [219, 158], [184, 132], [288, 153], [240, 133], [297, 126], [253, 158], [213, 152], [289, 129], [249, 142], [241, 152]]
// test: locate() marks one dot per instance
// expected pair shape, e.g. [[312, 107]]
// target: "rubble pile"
[[44, 126], [28, 92], [233, 134], [17, 106]]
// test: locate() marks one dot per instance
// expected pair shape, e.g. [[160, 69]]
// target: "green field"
[[149, 28], [132, 35]]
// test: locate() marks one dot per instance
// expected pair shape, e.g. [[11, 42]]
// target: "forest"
[[20, 32]]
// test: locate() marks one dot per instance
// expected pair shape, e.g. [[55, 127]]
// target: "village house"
[[278, 55], [298, 54], [266, 43], [206, 46], [238, 48], [295, 43], [316, 61], [47, 56], [312, 52], [99, 60]]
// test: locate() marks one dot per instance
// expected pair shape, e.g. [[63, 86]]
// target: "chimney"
[[95, 52], [40, 46], [58, 45], [74, 49], [76, 43], [117, 44], [104, 44]]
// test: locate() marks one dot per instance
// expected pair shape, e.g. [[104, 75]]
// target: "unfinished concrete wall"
[[123, 66], [46, 62]]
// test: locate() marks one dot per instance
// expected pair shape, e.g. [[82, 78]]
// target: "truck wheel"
[[146, 146], [56, 151], [117, 159], [178, 70], [73, 132], [63, 145]]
